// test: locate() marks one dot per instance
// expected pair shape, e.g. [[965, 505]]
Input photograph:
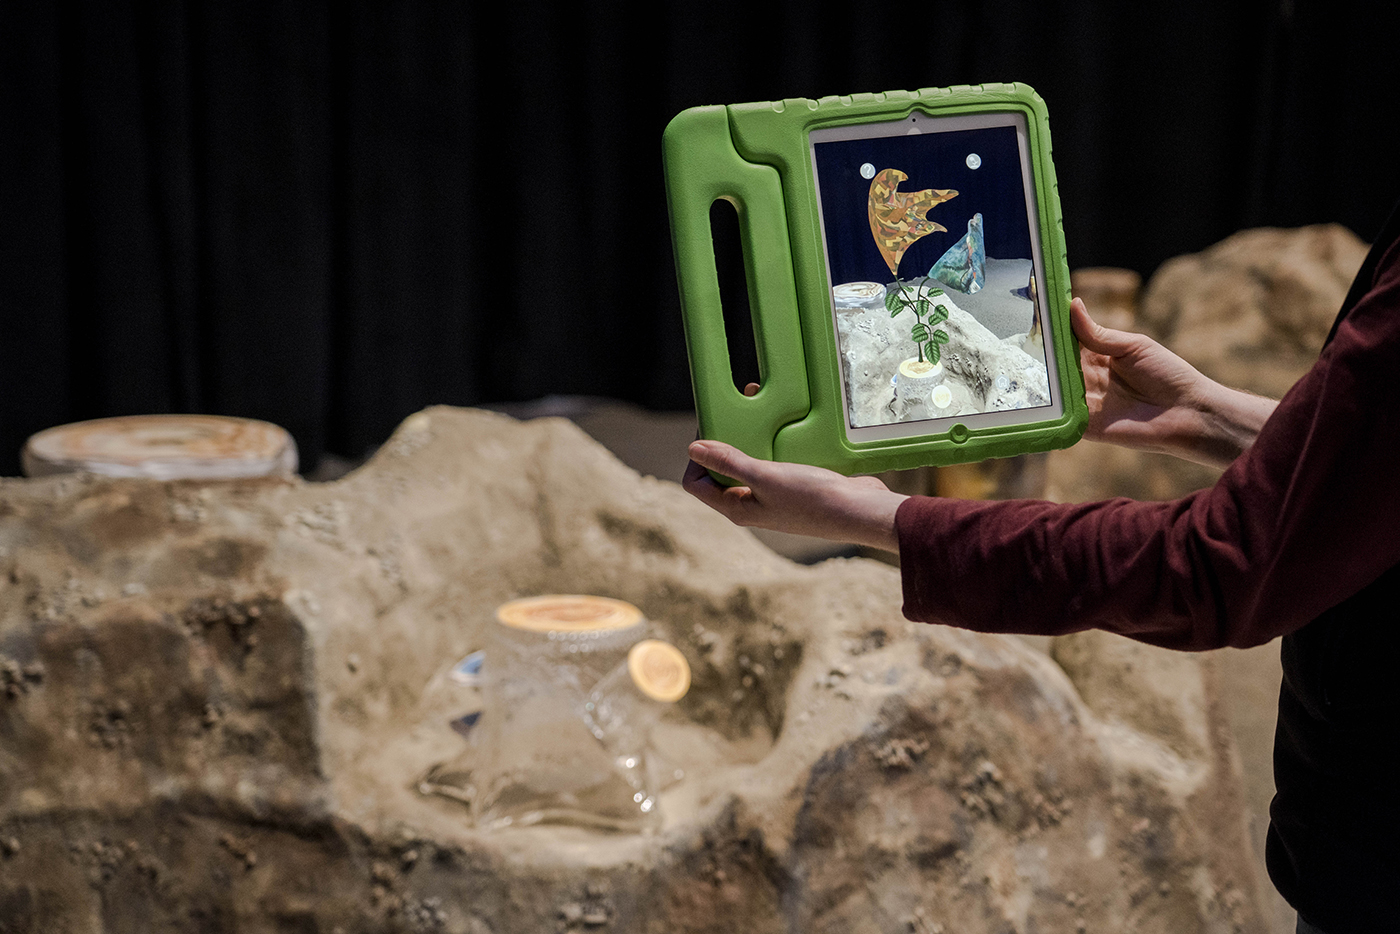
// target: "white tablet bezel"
[[918, 124]]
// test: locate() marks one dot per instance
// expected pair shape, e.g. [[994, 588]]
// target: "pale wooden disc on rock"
[[163, 447], [568, 613], [921, 370], [659, 670]]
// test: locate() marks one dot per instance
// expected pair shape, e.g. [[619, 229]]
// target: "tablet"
[[907, 277]]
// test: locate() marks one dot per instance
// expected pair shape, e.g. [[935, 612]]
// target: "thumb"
[[1095, 336], [727, 460]]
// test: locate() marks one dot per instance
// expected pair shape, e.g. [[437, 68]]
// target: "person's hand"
[[1139, 392], [793, 498], [1141, 395]]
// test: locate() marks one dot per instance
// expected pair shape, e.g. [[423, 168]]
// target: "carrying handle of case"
[[702, 166]]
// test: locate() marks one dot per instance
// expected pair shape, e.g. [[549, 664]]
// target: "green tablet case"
[[758, 157]]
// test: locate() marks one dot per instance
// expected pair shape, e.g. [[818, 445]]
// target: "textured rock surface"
[[219, 699], [873, 344], [1253, 310]]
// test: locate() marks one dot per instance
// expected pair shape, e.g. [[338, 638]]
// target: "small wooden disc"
[[568, 613], [163, 447], [918, 369], [659, 670]]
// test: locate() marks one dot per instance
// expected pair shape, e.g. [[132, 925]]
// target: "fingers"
[[698, 483], [732, 502], [694, 473], [751, 389], [735, 503], [1086, 328], [726, 459], [1095, 336]]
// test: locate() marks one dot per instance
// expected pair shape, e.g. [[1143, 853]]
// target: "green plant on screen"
[[927, 336]]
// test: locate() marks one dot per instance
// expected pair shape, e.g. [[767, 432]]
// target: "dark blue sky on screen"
[[931, 160]]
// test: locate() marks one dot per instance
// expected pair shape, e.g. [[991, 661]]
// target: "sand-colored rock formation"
[[1253, 310], [219, 698]]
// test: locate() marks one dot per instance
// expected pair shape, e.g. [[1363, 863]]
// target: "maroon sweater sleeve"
[[1306, 517]]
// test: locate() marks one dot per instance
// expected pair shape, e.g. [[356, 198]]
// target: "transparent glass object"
[[565, 733]]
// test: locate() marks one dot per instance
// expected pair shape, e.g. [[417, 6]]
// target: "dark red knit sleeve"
[[1304, 519]]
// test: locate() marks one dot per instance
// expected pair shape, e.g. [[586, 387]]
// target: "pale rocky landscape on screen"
[[994, 360]]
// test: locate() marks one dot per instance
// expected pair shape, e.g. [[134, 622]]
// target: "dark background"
[[930, 160], [331, 214]]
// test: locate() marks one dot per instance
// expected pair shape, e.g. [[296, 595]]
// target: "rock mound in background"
[[1253, 310], [219, 698]]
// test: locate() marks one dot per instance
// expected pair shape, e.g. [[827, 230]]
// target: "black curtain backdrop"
[[331, 214]]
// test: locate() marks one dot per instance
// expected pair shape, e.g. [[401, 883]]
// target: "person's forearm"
[[872, 520], [795, 498], [1227, 422]]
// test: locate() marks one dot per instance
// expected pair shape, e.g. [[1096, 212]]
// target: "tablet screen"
[[933, 255]]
